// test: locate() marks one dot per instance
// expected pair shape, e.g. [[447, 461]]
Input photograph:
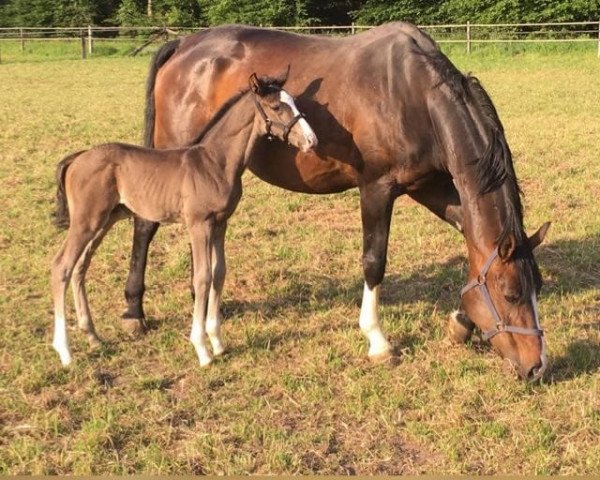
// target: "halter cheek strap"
[[480, 283], [286, 128]]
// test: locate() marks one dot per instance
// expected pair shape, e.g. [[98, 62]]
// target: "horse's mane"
[[268, 84], [494, 169]]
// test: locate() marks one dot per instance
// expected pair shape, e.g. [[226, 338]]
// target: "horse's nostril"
[[534, 373]]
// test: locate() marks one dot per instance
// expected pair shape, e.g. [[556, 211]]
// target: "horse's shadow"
[[571, 267]]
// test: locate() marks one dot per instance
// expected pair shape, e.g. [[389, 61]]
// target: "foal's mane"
[[494, 169], [268, 84]]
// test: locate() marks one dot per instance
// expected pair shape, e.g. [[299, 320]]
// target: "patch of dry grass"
[[295, 393]]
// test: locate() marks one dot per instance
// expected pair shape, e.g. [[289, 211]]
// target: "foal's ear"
[[255, 84], [538, 237], [507, 247]]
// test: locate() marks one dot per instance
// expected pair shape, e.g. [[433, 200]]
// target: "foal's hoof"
[[387, 356], [460, 327], [135, 327]]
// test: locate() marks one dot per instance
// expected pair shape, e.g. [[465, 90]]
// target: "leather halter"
[[286, 128], [501, 326]]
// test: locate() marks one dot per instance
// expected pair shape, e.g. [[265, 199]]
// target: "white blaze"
[[309, 134]]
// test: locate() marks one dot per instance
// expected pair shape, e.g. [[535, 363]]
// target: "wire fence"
[[88, 38]]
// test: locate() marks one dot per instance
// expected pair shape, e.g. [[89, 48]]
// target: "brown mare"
[[394, 117], [199, 186]]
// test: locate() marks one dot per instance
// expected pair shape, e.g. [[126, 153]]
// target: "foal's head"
[[279, 116]]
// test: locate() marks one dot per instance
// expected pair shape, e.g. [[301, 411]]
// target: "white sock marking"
[[198, 339], [369, 322], [60, 342]]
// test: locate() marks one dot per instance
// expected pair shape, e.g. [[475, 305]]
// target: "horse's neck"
[[230, 141], [484, 216]]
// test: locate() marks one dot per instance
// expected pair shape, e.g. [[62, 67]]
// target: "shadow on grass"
[[573, 265], [582, 357]]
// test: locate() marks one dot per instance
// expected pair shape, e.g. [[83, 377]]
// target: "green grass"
[[295, 393]]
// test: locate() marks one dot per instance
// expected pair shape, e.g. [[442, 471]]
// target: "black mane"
[[494, 169], [219, 115]]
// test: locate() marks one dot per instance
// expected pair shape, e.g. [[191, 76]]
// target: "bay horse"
[[199, 186], [394, 117]]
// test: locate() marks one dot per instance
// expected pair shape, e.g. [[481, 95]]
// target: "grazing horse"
[[199, 186], [394, 116]]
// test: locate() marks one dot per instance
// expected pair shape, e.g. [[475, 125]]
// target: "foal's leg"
[[201, 252], [61, 271], [213, 318], [441, 197], [143, 233], [84, 317], [376, 202]]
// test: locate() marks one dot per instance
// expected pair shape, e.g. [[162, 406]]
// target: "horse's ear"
[[538, 237], [507, 247], [255, 84]]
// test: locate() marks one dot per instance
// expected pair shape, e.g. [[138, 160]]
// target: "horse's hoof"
[[94, 342], [460, 327], [135, 327], [387, 356]]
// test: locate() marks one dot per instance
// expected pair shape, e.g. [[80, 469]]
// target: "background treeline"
[[190, 13]]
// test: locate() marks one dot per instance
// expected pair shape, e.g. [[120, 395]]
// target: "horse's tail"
[[61, 215], [160, 58]]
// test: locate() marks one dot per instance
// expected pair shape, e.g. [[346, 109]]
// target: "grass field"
[[295, 393]]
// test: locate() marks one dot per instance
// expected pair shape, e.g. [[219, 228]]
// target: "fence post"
[[468, 37], [598, 38], [90, 40], [22, 39], [352, 29], [83, 51]]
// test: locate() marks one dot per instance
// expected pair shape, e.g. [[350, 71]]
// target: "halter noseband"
[[269, 123], [501, 326]]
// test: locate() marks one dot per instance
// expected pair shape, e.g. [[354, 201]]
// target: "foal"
[[199, 186]]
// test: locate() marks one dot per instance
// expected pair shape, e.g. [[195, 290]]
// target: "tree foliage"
[[39, 13]]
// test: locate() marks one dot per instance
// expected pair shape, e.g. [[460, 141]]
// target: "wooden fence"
[[468, 34]]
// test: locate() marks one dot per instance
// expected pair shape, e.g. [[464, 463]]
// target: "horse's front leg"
[[376, 203], [440, 196], [219, 269], [201, 233], [133, 320]]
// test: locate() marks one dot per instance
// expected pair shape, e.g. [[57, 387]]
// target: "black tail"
[[160, 58], [61, 215]]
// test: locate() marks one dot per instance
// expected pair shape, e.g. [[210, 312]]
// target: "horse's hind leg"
[[61, 271], [84, 316], [213, 317], [133, 319]]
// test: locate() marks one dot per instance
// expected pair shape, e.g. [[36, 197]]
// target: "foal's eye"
[[276, 108]]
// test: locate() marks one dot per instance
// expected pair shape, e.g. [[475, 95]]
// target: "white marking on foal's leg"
[[199, 339], [60, 342], [370, 325], [213, 322], [309, 134]]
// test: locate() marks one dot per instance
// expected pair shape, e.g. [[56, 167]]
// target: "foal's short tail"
[[61, 215]]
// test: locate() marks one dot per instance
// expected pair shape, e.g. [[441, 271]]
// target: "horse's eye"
[[276, 108], [512, 298]]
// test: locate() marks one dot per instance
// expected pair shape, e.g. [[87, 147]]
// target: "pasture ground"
[[295, 393]]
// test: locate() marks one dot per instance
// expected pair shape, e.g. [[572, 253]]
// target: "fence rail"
[[468, 34]]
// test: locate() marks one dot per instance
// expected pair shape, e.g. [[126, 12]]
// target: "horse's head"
[[279, 115], [501, 299]]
